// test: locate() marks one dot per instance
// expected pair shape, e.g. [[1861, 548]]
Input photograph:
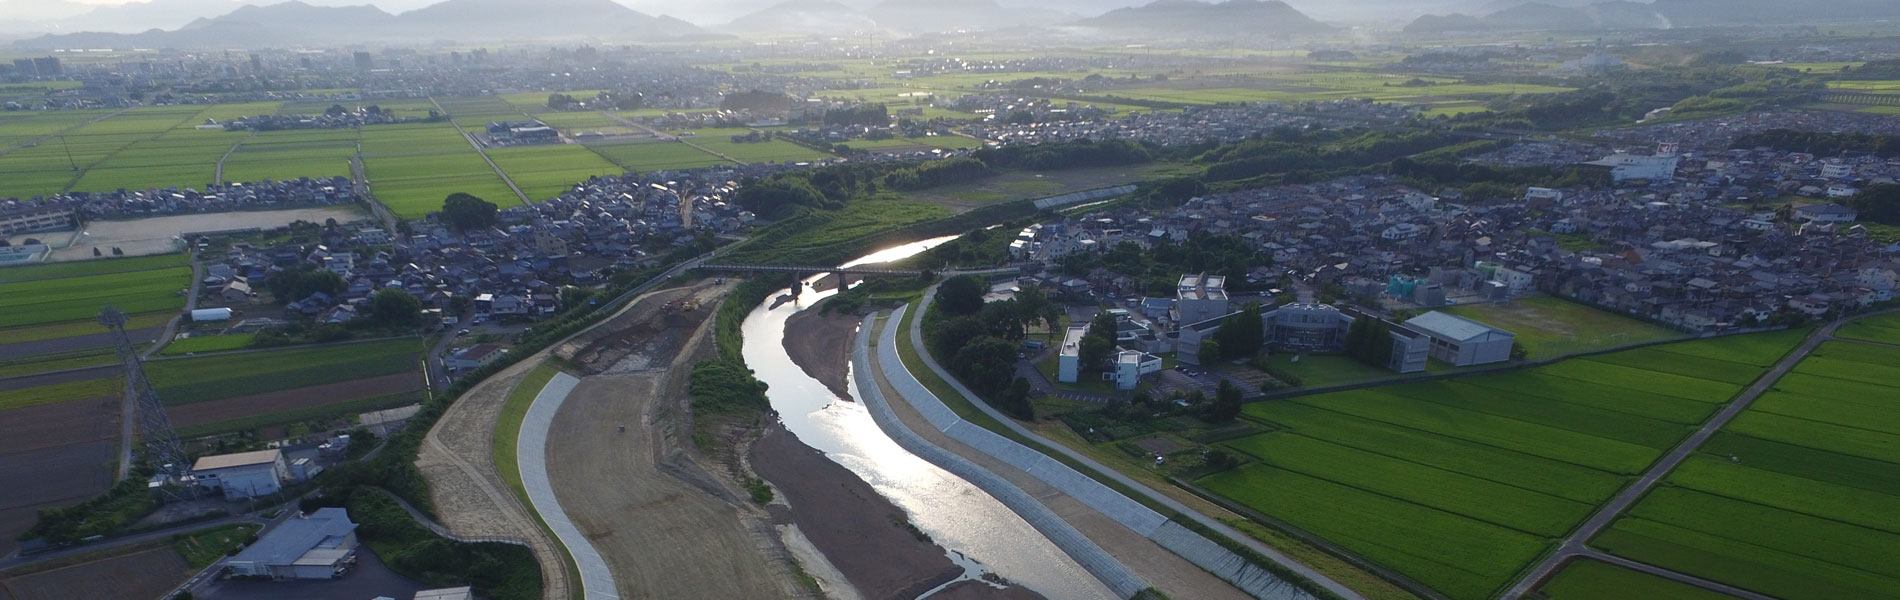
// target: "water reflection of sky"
[[955, 513]]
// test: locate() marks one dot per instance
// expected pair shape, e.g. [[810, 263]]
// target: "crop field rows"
[[543, 172], [640, 157], [1799, 496], [1884, 329], [413, 167], [143, 148], [1461, 484], [46, 301]]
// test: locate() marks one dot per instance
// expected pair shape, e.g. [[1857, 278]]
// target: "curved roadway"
[[597, 581]]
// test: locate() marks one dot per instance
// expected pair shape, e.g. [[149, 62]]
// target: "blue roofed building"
[[320, 545]]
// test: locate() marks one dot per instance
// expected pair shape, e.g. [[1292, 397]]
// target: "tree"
[[1879, 203], [961, 295], [986, 364], [1015, 400], [464, 212], [1002, 319], [950, 339], [1226, 404], [1242, 335], [393, 307], [1209, 352], [297, 284], [1094, 353]]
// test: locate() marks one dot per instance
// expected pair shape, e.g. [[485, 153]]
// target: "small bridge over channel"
[[842, 273]]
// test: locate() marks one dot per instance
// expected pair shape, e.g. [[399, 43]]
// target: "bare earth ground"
[[861, 532], [213, 411], [66, 449], [77, 342], [812, 339], [1163, 570], [154, 235], [667, 525], [147, 574], [39, 379], [471, 498]]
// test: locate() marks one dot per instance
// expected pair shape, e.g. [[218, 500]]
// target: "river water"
[[980, 533]]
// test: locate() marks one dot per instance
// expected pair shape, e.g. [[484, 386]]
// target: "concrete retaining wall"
[[1079, 547], [1136, 516], [597, 581]]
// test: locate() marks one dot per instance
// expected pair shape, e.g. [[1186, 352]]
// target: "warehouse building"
[[1461, 341], [320, 545], [243, 475]]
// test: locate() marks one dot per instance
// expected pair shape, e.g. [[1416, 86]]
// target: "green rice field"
[[1586, 579], [199, 379], [100, 266], [656, 156], [1883, 329], [1461, 484], [1549, 327], [207, 343], [543, 172], [1799, 496], [80, 298], [413, 167]]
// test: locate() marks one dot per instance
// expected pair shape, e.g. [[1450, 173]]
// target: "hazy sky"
[[711, 12]]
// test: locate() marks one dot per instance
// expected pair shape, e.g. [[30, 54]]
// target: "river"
[[980, 533]]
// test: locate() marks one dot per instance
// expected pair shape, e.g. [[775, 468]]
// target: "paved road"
[[1573, 546], [478, 150], [1318, 578]]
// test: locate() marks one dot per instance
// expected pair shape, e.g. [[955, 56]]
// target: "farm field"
[[641, 157], [1459, 484], [476, 112], [1884, 329], [1595, 580], [67, 446], [207, 343], [543, 172], [91, 267], [200, 379], [1798, 497], [761, 152], [80, 298], [286, 155], [1549, 327], [38, 335], [412, 168]]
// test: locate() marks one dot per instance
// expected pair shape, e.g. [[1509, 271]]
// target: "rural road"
[[1318, 578], [484, 154], [1573, 546]]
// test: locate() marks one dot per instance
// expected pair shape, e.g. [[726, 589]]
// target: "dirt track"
[[470, 497], [667, 526]]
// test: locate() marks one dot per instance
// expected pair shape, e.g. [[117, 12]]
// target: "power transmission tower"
[[162, 448]]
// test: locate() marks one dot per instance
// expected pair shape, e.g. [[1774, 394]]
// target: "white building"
[[1825, 213], [1199, 298], [1835, 169], [474, 356], [1842, 190], [1461, 341], [28, 220], [1131, 365], [243, 475], [1069, 360], [1624, 167], [320, 545], [1517, 281]]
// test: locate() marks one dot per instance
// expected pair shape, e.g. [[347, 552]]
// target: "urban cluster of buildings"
[[348, 119], [1189, 126]]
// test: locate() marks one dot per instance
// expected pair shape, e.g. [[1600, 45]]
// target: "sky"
[[713, 12]]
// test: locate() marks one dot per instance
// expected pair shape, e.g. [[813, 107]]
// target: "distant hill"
[[296, 23], [943, 15], [1233, 18], [803, 17], [1575, 15]]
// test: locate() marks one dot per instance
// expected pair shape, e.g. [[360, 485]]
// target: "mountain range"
[[1600, 15], [1229, 19], [297, 23]]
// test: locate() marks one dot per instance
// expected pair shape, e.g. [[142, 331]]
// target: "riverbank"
[[861, 533], [819, 344]]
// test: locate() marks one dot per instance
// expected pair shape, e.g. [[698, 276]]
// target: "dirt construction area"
[[664, 520], [67, 449], [470, 496]]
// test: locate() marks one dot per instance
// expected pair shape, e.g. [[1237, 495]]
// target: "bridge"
[[806, 270], [843, 273]]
